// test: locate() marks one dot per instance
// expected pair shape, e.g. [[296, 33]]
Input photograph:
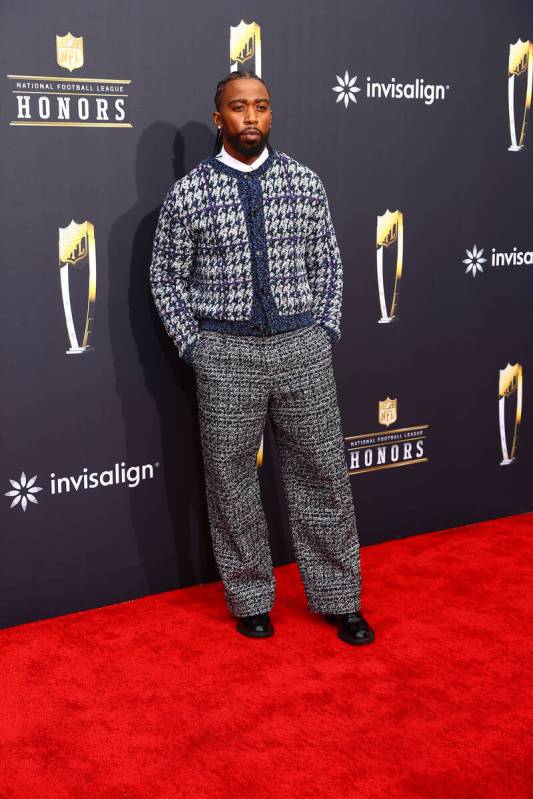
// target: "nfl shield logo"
[[73, 242], [69, 51], [245, 43], [388, 411]]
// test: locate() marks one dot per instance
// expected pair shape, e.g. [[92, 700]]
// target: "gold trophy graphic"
[[245, 45], [77, 250], [389, 232], [510, 393], [520, 75], [69, 51]]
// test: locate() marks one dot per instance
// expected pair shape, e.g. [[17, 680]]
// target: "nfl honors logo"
[[387, 449], [69, 101], [69, 51]]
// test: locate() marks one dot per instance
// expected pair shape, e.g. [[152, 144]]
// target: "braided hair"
[[245, 73]]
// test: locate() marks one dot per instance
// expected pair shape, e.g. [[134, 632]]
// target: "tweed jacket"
[[247, 252]]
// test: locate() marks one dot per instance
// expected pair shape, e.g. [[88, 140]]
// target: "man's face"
[[245, 116]]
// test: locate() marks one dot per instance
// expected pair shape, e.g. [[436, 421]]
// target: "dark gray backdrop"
[[130, 400]]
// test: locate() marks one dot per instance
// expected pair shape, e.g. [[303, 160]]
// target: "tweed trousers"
[[289, 378]]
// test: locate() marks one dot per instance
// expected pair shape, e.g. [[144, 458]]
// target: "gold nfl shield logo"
[[245, 45], [69, 51], [388, 411], [73, 242]]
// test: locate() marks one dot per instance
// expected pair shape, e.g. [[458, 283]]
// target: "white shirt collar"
[[229, 160]]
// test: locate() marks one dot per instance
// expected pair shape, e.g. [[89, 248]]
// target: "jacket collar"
[[220, 166], [228, 159]]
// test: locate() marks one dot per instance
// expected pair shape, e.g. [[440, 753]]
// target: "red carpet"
[[161, 698]]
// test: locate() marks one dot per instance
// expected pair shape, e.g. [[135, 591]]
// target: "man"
[[247, 278]]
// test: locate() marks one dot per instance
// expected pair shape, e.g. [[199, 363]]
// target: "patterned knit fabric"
[[249, 253], [239, 380]]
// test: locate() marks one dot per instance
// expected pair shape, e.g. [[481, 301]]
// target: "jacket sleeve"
[[324, 267], [173, 258]]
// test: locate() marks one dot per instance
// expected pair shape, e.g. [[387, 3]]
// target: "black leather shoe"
[[353, 628], [258, 626]]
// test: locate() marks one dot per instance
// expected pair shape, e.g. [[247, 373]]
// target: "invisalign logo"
[[428, 93], [474, 259], [24, 490]]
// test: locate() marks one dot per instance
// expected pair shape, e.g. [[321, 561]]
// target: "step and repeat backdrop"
[[415, 115]]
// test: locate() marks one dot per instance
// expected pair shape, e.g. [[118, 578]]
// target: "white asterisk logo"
[[346, 89], [474, 260], [23, 491]]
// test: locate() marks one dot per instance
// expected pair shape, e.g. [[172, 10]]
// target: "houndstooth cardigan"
[[252, 253]]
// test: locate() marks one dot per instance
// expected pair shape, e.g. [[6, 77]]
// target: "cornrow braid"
[[245, 73]]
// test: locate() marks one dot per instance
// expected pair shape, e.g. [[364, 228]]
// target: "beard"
[[248, 149]]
